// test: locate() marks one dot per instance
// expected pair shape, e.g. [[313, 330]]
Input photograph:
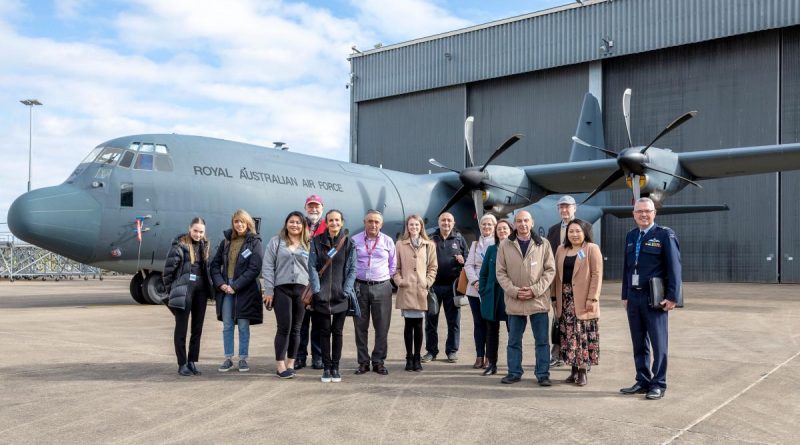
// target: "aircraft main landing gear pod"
[[136, 289], [153, 288]]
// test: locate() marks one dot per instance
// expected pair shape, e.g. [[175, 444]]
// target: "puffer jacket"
[[416, 272], [333, 290], [247, 296], [177, 274], [536, 269]]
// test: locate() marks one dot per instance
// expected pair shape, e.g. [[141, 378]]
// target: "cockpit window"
[[147, 148], [134, 146], [161, 149], [91, 157], [144, 162], [109, 156], [127, 159]]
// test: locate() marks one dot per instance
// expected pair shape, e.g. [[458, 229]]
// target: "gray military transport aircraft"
[[127, 200]]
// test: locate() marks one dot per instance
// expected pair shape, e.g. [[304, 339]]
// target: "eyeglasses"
[[643, 212]]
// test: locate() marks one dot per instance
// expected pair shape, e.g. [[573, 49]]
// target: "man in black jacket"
[[451, 252], [556, 235]]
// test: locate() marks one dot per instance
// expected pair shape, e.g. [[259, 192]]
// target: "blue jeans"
[[227, 330], [540, 327]]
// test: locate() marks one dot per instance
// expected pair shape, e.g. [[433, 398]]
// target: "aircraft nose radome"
[[61, 219]]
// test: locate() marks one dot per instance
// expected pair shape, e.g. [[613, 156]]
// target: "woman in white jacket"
[[472, 268]]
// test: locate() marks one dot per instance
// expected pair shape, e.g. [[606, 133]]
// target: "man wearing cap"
[[375, 264], [316, 225], [556, 235]]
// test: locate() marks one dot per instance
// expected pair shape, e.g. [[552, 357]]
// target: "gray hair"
[[646, 199], [488, 216]]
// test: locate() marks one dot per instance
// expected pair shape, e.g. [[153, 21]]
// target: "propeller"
[[474, 179], [633, 162]]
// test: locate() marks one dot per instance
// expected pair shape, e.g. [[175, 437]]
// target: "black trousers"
[[493, 339], [196, 307], [330, 337], [309, 325], [289, 313]]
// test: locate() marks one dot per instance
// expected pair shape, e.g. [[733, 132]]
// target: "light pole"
[[30, 103]]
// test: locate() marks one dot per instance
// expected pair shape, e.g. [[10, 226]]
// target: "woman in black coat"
[[333, 289], [189, 283], [234, 271]]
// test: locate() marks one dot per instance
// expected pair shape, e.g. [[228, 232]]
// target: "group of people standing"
[[314, 273]]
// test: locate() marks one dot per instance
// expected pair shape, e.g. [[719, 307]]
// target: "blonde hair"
[[245, 217], [422, 233], [186, 240]]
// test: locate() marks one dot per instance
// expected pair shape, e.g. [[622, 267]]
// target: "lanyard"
[[369, 251], [638, 247]]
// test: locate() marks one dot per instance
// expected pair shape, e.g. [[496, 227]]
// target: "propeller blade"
[[636, 188], [675, 124], [457, 197], [626, 112], [610, 180], [468, 124], [496, 185], [477, 198], [650, 167], [511, 141], [440, 165], [578, 140]]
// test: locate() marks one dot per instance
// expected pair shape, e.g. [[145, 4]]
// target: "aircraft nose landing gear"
[[148, 289]]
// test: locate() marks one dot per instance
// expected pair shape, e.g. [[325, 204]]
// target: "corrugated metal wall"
[[790, 132], [543, 106], [403, 132], [569, 36], [733, 83]]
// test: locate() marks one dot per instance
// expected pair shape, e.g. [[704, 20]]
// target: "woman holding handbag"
[[331, 276], [472, 269], [186, 276], [493, 307], [285, 275], [415, 274], [579, 277]]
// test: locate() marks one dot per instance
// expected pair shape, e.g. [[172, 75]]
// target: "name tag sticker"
[[581, 255], [246, 253], [192, 277], [304, 254]]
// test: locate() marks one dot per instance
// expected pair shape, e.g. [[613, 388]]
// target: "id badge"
[[635, 280], [246, 253], [332, 252], [581, 255], [192, 277]]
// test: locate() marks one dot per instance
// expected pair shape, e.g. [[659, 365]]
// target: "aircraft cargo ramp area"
[[81, 363]]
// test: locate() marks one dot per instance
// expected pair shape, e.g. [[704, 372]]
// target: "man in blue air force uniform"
[[650, 251]]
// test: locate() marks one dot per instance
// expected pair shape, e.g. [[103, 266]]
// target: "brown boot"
[[572, 376], [478, 363], [581, 380]]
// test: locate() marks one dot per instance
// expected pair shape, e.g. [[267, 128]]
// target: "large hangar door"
[[733, 84], [790, 132], [403, 132]]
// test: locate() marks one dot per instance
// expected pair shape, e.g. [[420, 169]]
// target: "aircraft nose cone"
[[61, 219]]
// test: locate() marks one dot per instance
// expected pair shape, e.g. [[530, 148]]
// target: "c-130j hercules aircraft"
[[127, 200]]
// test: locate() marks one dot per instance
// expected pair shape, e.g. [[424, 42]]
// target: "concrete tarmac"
[[81, 363]]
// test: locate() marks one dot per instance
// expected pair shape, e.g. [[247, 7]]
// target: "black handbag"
[[433, 303]]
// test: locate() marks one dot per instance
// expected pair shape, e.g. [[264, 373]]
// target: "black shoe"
[[655, 393], [363, 368], [417, 363], [335, 376], [409, 363], [184, 371], [509, 379], [380, 369], [288, 374], [491, 369], [326, 376], [545, 382], [193, 367], [637, 388], [317, 364], [299, 364]]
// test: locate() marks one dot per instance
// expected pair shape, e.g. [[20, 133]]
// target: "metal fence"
[[20, 260]]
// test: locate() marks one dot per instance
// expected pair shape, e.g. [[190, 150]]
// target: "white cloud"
[[407, 19]]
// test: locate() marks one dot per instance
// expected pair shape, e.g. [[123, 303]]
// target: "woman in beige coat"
[[579, 277], [416, 271]]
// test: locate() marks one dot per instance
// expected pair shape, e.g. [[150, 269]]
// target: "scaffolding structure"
[[20, 260]]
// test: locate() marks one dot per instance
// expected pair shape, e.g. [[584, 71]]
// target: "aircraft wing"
[[721, 163], [573, 177]]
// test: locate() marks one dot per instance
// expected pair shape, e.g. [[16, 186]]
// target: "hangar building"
[[735, 61]]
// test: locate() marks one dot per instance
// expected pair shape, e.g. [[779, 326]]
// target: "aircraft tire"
[[153, 288], [136, 289]]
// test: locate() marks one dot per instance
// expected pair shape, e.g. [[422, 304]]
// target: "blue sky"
[[247, 70]]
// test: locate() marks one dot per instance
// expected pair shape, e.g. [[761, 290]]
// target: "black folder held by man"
[[657, 294]]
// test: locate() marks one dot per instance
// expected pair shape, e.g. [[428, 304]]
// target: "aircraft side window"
[[161, 149], [127, 159], [144, 162], [147, 148], [163, 163], [126, 194]]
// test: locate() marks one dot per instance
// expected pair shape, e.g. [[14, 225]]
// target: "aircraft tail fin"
[[590, 129], [627, 211]]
